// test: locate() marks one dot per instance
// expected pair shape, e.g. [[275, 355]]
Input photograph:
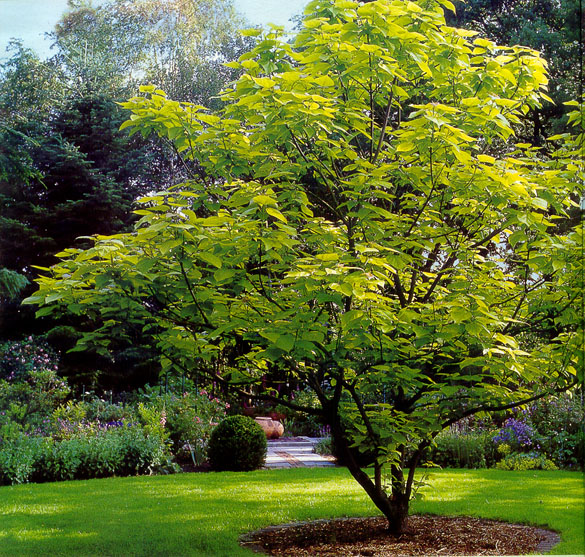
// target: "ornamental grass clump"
[[238, 443]]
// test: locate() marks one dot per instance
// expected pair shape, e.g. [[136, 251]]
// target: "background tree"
[[355, 232], [551, 27], [179, 45], [66, 171]]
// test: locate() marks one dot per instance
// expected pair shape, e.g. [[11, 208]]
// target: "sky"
[[30, 19]]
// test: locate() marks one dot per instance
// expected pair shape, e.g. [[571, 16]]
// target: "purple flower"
[[515, 431]]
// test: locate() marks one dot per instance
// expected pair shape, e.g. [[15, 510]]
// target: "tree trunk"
[[399, 501], [393, 507], [398, 515]]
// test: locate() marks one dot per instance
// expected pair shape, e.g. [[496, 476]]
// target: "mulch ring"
[[426, 535]]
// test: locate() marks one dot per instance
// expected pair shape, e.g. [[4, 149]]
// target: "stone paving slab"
[[296, 452]]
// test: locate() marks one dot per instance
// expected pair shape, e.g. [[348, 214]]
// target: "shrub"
[[567, 450], [17, 459], [324, 447], [560, 423], [121, 451], [141, 453], [191, 417], [237, 443], [19, 359], [463, 450], [82, 417], [31, 401], [526, 461]]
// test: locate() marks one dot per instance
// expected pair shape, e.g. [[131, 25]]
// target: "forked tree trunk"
[[393, 507]]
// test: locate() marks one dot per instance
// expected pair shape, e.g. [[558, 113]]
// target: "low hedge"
[[457, 450], [123, 451]]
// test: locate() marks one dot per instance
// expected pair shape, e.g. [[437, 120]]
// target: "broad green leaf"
[[285, 342], [263, 200], [210, 258], [276, 214]]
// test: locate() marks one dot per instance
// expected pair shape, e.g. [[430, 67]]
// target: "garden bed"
[[425, 535]]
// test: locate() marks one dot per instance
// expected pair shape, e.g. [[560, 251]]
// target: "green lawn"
[[203, 514]]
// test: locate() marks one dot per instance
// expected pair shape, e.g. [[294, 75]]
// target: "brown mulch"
[[426, 535]]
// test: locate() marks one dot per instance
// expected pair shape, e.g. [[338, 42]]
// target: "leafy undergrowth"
[[205, 514]]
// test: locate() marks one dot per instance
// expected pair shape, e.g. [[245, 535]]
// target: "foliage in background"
[[115, 451], [30, 388], [546, 434], [526, 461], [83, 179], [559, 428], [179, 45], [470, 450], [301, 423], [552, 28], [19, 359], [11, 284], [66, 171], [47, 436], [190, 418]]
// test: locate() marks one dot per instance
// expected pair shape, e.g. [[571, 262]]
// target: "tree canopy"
[[365, 225], [180, 45]]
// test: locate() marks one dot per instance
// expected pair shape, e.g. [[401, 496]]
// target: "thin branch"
[[192, 293], [399, 291], [438, 278], [488, 408], [384, 125]]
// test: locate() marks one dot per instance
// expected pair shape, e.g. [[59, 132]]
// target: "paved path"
[[296, 452]]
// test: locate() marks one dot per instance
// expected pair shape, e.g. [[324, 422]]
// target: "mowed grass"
[[204, 514]]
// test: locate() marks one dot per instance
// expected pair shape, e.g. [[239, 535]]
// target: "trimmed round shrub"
[[238, 443]]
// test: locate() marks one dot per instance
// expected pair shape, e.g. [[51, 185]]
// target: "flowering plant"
[[19, 359], [517, 434]]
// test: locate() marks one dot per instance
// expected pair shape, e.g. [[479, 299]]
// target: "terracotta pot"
[[272, 428], [278, 429]]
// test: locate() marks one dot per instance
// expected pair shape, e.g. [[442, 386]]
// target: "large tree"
[[365, 226], [180, 45]]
